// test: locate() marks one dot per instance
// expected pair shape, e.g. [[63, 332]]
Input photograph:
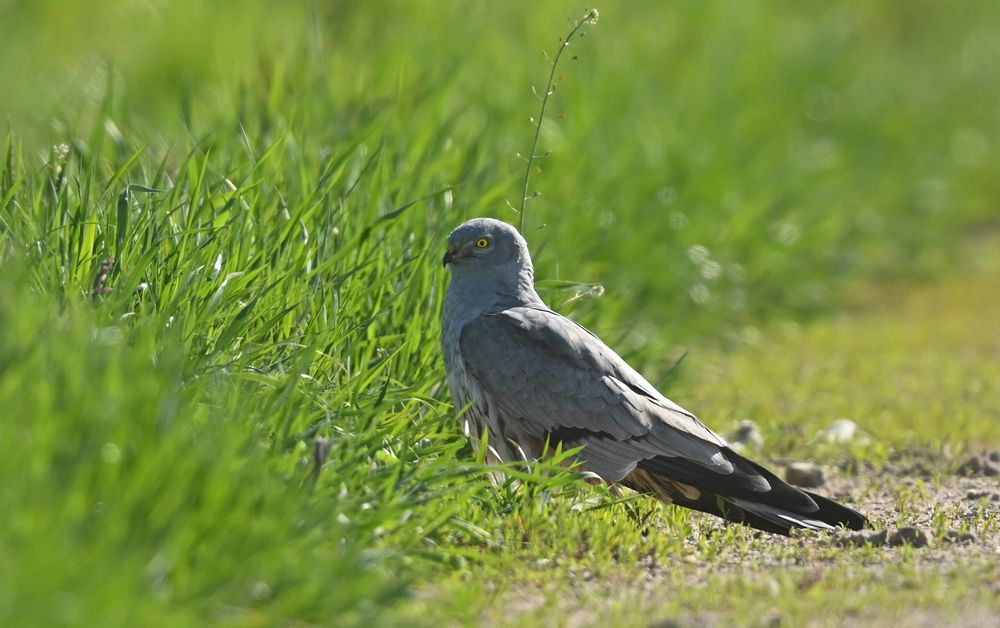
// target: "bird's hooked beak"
[[451, 255]]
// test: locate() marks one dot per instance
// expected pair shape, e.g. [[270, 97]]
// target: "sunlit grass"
[[220, 239], [913, 368]]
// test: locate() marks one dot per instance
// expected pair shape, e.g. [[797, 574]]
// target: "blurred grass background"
[[755, 156], [275, 182]]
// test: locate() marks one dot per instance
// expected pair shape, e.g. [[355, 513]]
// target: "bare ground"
[[932, 558]]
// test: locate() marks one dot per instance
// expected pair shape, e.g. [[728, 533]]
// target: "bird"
[[534, 380]]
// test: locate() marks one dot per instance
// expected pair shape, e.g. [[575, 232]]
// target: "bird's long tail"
[[739, 496]]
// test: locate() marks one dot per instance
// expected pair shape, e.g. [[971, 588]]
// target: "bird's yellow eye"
[[482, 243]]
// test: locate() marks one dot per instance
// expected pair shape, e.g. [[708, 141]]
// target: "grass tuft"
[[221, 395]]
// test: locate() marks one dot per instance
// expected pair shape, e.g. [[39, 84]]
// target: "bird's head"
[[484, 244], [488, 255]]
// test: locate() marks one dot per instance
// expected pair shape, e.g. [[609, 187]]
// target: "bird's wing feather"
[[555, 377]]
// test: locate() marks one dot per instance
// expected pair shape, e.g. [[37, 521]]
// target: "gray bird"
[[532, 377]]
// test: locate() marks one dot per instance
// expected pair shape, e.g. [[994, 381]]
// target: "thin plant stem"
[[590, 17]]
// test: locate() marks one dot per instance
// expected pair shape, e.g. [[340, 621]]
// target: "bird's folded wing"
[[558, 380]]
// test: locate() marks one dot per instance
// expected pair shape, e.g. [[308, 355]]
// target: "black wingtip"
[[837, 514], [733, 496]]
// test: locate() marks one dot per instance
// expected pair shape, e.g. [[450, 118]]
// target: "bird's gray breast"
[[479, 412], [465, 393]]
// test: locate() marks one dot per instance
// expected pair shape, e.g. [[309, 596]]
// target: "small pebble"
[[980, 494], [915, 537], [865, 537], [841, 431], [804, 474], [907, 536], [982, 464], [746, 434], [954, 536]]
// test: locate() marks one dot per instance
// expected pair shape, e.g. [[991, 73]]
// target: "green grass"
[[916, 369], [275, 189], [632, 564]]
